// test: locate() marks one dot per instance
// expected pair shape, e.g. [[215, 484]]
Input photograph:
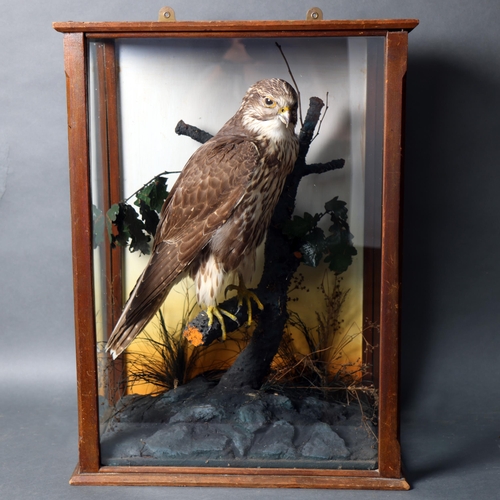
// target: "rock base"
[[199, 425]]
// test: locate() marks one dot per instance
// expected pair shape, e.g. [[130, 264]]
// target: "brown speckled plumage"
[[219, 209]]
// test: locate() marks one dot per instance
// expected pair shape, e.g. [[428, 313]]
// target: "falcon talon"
[[230, 288], [218, 312], [244, 294]]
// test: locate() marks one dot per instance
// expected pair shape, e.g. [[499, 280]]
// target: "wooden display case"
[[362, 65]]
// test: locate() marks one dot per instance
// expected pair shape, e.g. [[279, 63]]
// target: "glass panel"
[[316, 406], [98, 154]]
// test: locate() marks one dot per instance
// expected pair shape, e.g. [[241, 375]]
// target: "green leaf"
[[298, 227], [339, 247], [130, 227], [340, 258], [153, 194], [111, 215], [149, 217], [333, 239], [337, 207], [336, 248], [113, 212], [130, 230]]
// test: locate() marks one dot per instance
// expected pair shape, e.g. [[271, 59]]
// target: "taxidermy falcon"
[[218, 210]]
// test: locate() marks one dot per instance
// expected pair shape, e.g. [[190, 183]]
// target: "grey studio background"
[[450, 331]]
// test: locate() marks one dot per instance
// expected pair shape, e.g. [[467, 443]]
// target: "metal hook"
[[166, 15], [314, 14]]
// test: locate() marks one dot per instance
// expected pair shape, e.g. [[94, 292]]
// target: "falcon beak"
[[284, 115]]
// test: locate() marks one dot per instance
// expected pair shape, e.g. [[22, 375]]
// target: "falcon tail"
[[134, 317]]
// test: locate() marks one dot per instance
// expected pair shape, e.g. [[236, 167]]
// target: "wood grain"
[[246, 478], [240, 27], [390, 300], [81, 219]]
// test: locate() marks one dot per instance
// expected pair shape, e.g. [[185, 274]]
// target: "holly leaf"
[[337, 207], [336, 248], [153, 194], [131, 230], [338, 245], [340, 257], [111, 215], [298, 227], [150, 217]]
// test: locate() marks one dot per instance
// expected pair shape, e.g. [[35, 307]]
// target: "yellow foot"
[[218, 312], [244, 294]]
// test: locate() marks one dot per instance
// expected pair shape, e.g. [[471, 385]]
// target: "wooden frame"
[[89, 470]]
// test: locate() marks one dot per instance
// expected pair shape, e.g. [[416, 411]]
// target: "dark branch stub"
[[280, 264], [191, 131]]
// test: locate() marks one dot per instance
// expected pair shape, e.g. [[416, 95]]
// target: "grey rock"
[[275, 443], [279, 402], [312, 408], [126, 440], [324, 444], [198, 413], [196, 388], [281, 407], [188, 440], [241, 440], [360, 439], [131, 408], [252, 416]]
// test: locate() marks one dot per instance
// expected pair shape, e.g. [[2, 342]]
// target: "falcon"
[[218, 211]]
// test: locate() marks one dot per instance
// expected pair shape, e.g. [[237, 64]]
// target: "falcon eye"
[[269, 102]]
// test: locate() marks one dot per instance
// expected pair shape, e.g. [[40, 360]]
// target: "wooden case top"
[[204, 28]]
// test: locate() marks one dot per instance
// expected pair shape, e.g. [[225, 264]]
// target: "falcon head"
[[269, 108]]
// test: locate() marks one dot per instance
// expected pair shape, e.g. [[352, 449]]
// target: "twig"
[[294, 82], [150, 181]]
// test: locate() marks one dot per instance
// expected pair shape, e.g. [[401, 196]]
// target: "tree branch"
[[307, 130], [321, 168], [191, 131]]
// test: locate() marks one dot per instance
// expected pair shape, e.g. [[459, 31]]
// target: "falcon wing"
[[209, 188]]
